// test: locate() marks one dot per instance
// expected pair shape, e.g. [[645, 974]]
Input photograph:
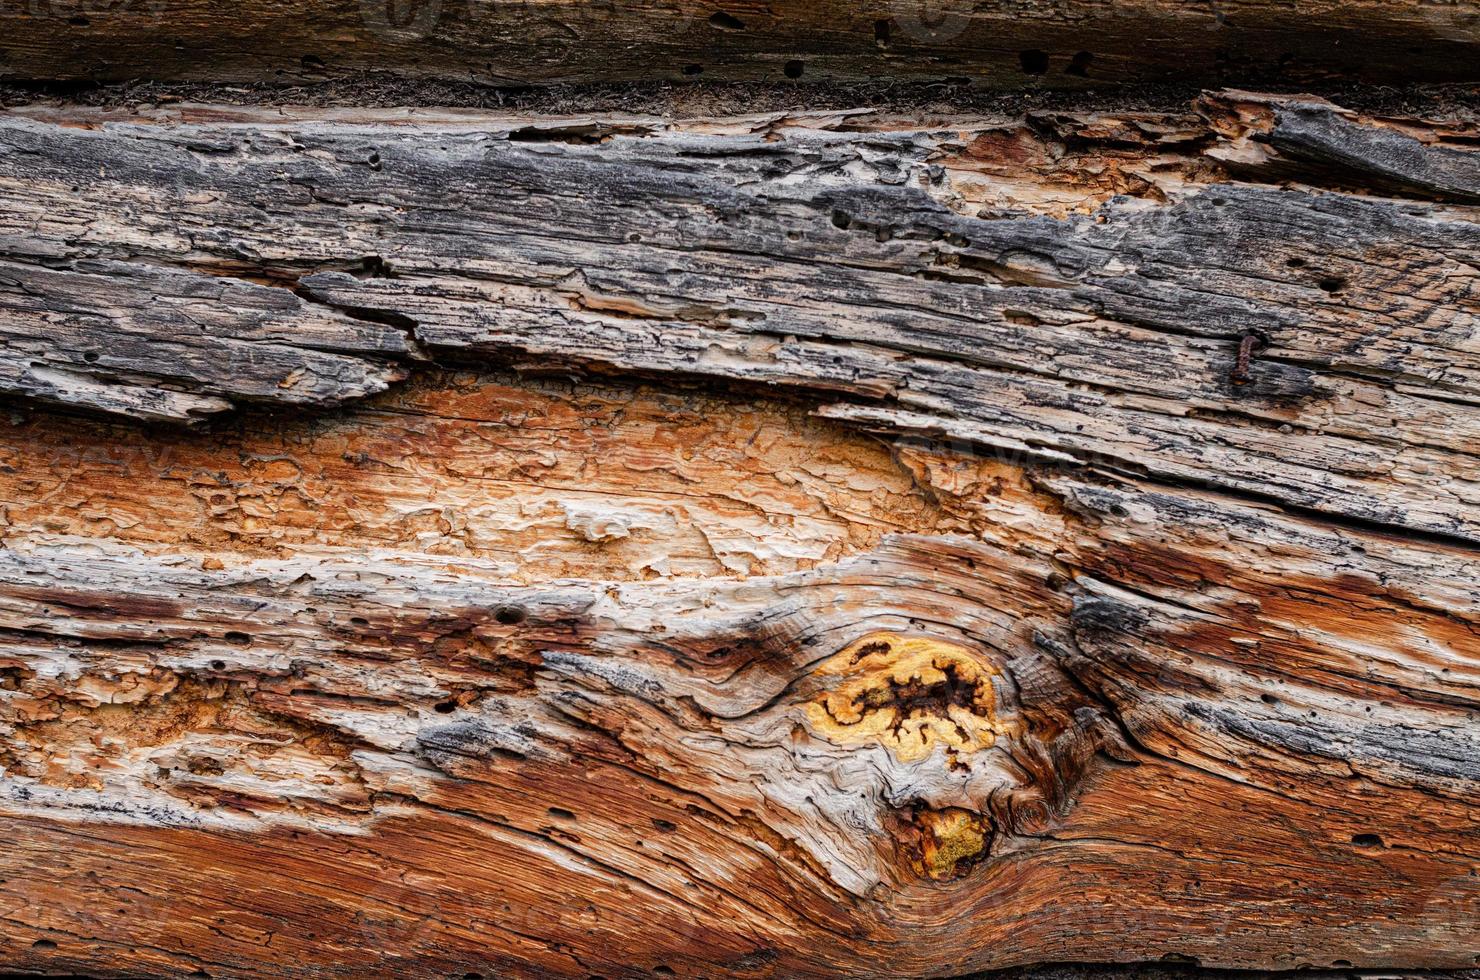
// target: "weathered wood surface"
[[1005, 284], [783, 546], [1055, 43]]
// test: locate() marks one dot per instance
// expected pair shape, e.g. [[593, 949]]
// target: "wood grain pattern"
[[819, 545], [1063, 43]]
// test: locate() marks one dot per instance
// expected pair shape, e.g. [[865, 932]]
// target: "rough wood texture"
[[779, 546], [1062, 43]]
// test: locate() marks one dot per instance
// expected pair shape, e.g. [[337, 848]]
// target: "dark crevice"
[[364, 89], [1033, 62], [583, 133], [722, 21]]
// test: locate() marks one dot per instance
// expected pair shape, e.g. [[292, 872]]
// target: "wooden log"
[[802, 545], [1065, 43]]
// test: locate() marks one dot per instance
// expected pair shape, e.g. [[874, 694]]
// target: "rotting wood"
[[899, 581], [1033, 43]]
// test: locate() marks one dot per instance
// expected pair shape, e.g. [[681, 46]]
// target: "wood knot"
[[1028, 813], [949, 841], [910, 694], [982, 745]]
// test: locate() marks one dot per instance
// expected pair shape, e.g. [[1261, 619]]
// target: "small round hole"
[[236, 638], [90, 356], [218, 665], [43, 944], [882, 31], [693, 69], [1332, 284], [1295, 263], [445, 707], [726, 22], [793, 69], [1079, 64], [1367, 840], [1033, 61], [78, 21], [560, 813], [510, 615]]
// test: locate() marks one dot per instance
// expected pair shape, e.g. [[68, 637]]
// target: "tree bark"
[[1031, 42], [796, 545]]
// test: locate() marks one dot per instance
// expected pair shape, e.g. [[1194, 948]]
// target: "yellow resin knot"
[[910, 694]]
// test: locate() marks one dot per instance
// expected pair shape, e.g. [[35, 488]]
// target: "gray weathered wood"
[[117, 336]]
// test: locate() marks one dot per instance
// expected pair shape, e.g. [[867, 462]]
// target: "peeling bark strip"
[[1150, 627], [1063, 43], [218, 336]]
